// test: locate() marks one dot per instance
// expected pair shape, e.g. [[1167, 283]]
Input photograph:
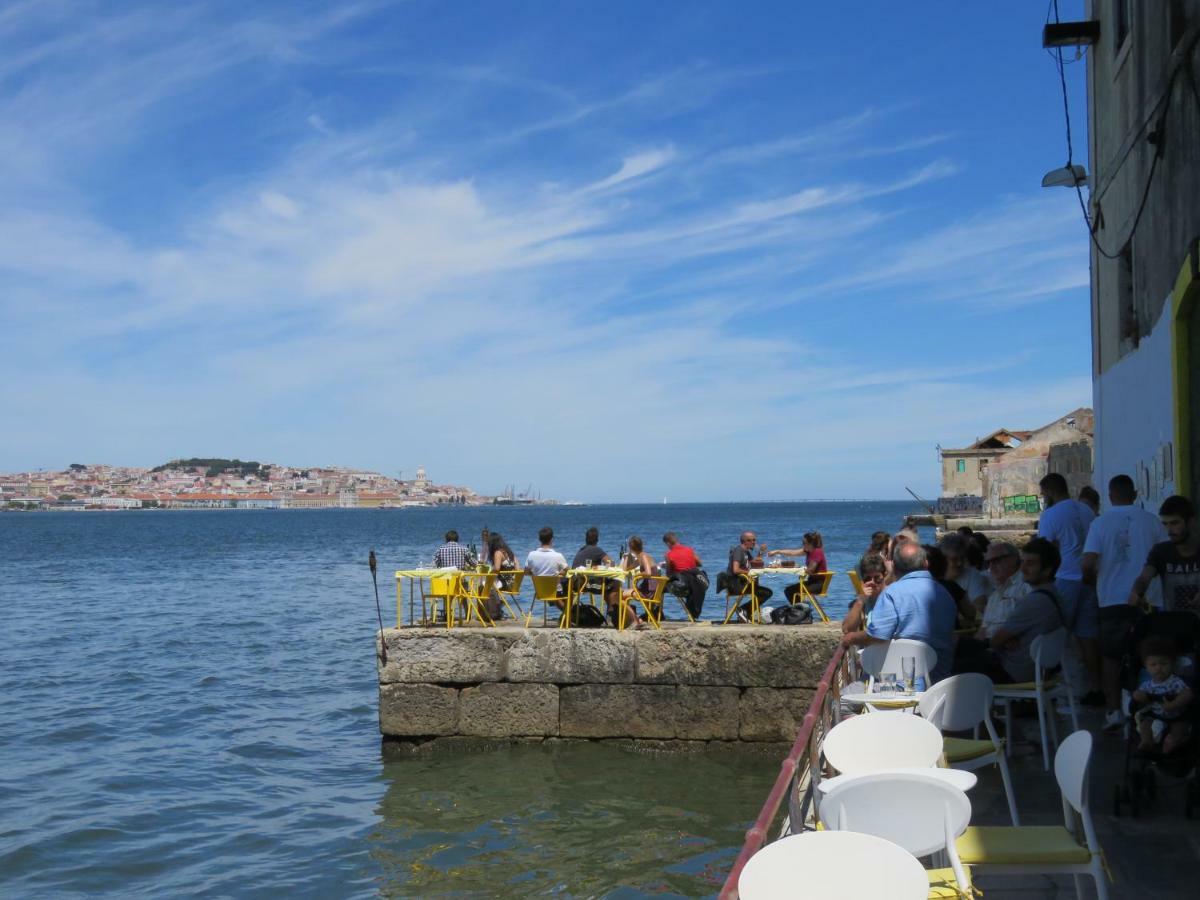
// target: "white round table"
[[833, 865], [964, 781]]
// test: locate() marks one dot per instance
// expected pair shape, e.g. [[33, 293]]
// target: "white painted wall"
[[1135, 419]]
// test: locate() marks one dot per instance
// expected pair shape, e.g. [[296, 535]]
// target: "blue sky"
[[618, 250]]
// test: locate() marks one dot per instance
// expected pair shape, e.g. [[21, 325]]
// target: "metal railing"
[[794, 782]]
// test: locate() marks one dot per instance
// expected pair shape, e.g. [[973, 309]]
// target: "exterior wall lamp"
[[1071, 34]]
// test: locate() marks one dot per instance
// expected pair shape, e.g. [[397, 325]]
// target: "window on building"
[[1120, 15], [960, 465]]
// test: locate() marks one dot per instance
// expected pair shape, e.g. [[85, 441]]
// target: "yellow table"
[[608, 573]]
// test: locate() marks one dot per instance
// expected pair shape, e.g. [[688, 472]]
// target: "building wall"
[[1136, 399], [1125, 86]]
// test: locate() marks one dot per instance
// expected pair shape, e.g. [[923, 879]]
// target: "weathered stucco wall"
[[691, 683]]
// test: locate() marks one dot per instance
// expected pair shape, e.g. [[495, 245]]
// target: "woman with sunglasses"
[[872, 571]]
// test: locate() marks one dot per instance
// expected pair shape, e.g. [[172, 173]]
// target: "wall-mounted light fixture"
[[1068, 176], [1071, 34]]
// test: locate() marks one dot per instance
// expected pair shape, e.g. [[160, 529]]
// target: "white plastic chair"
[[865, 744], [1046, 651], [1051, 849], [961, 703], [920, 813], [878, 659], [829, 865]]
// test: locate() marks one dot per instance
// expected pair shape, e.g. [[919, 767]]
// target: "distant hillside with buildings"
[[224, 484]]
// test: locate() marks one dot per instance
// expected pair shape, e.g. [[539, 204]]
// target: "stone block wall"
[[687, 683]]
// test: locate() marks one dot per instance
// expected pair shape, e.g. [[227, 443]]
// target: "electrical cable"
[[1158, 147]]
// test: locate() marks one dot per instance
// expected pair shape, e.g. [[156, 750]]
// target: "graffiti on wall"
[[1022, 503], [963, 505]]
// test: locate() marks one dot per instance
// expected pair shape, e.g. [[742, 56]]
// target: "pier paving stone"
[[617, 710], [417, 710], [508, 710], [745, 656], [572, 656], [706, 713], [443, 656], [772, 714]]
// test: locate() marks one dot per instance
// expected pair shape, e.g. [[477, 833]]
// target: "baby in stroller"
[[1163, 698]]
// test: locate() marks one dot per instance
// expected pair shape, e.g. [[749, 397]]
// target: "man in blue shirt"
[[914, 607]]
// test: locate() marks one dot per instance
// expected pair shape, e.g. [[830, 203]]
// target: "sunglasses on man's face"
[[873, 578], [996, 559]]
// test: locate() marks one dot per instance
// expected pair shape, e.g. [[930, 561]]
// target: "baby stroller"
[[1144, 770]]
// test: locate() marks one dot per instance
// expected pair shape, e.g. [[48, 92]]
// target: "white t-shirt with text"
[[1066, 523], [1122, 538]]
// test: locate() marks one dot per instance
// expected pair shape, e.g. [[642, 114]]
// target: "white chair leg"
[[1078, 885], [1053, 718], [1042, 727], [1101, 878], [1008, 729], [1008, 788]]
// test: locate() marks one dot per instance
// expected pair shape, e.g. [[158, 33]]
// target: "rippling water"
[[189, 706]]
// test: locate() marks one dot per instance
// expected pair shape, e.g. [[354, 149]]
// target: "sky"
[[621, 251]]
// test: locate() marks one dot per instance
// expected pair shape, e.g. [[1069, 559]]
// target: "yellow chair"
[[476, 592], [856, 583], [545, 591], [1046, 849], [804, 594], [649, 604], [511, 595], [747, 594], [445, 589]]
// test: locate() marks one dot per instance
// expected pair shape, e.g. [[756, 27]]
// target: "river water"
[[188, 706]]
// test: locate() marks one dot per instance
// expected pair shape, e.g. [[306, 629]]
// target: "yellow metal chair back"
[[652, 604], [445, 588], [747, 584], [477, 591], [822, 587], [545, 591], [805, 595], [512, 593], [855, 582]]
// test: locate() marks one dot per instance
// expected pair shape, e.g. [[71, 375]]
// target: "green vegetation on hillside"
[[216, 466]]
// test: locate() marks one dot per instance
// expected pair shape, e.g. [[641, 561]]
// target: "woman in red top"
[[813, 552]]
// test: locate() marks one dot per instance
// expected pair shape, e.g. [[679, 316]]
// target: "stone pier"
[[685, 683]]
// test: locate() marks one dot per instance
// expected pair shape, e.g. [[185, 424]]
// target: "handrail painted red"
[[756, 836]]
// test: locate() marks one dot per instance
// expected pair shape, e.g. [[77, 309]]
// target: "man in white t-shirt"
[[1065, 522], [1113, 555], [545, 560]]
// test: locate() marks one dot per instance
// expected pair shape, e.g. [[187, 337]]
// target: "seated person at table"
[[589, 556], [914, 607], [1005, 658], [452, 554], [643, 564], [974, 583], [814, 562], [872, 572], [741, 561], [545, 560], [683, 567], [938, 567]]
